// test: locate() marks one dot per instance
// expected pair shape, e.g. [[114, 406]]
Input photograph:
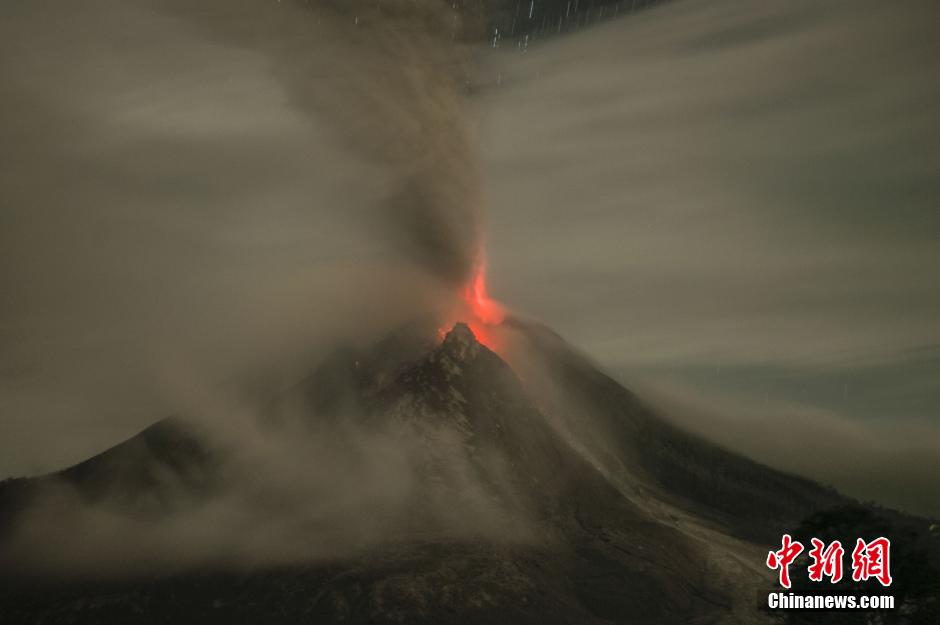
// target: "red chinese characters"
[[783, 558], [872, 559], [826, 561], [869, 560]]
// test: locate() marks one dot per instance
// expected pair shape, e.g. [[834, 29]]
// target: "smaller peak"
[[461, 341], [461, 332]]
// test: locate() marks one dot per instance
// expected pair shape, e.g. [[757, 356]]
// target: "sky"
[[732, 207]]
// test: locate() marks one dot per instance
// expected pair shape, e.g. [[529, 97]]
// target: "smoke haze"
[[206, 192], [726, 198], [296, 493]]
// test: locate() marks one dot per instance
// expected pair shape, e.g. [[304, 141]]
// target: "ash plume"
[[389, 79], [234, 186]]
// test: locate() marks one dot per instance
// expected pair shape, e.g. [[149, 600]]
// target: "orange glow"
[[486, 310], [483, 315], [486, 335]]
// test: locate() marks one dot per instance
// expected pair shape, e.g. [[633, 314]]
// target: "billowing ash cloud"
[[207, 193], [205, 188]]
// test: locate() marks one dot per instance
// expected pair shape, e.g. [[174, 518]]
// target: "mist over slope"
[[403, 455]]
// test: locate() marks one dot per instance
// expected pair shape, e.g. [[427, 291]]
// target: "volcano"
[[561, 498]]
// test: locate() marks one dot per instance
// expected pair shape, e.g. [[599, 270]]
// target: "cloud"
[[204, 196], [210, 190], [303, 491], [887, 461], [734, 205], [722, 182]]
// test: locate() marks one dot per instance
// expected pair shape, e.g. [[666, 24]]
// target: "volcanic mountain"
[[440, 487]]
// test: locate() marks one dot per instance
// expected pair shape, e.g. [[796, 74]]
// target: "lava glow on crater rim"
[[483, 314]]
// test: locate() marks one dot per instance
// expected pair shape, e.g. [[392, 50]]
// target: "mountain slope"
[[647, 452], [582, 506]]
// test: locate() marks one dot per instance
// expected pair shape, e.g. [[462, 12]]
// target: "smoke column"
[[389, 78]]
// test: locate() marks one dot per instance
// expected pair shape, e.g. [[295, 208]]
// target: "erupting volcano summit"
[[485, 313]]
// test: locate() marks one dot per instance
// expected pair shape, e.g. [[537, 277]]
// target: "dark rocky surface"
[[612, 515]]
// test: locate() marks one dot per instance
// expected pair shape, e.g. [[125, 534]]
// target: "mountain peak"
[[461, 342]]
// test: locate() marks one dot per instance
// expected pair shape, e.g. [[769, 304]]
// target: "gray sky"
[[732, 206]]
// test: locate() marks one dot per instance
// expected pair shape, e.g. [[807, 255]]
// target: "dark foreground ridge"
[[573, 505]]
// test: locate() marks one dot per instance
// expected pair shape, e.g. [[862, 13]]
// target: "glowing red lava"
[[486, 310], [483, 314]]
